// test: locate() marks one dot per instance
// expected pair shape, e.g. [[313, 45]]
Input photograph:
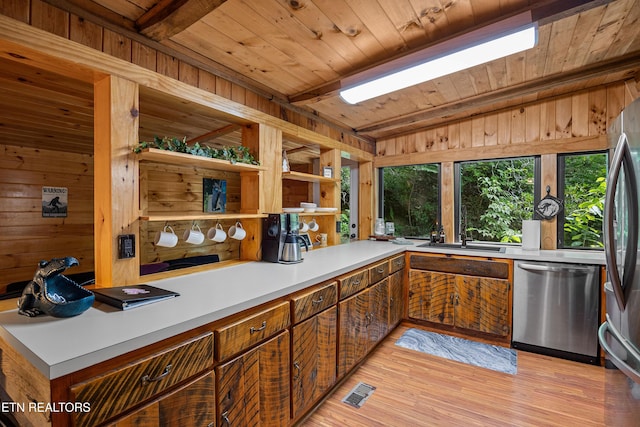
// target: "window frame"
[[381, 190], [560, 177], [537, 177]]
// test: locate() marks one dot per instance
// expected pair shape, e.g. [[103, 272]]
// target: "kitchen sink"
[[486, 248]]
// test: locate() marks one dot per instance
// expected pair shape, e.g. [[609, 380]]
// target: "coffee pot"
[[280, 239], [292, 250]]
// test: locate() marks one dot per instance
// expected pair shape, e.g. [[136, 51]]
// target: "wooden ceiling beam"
[[170, 17], [225, 130], [629, 63]]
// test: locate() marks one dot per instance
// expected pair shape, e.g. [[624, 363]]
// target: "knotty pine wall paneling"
[[25, 236]]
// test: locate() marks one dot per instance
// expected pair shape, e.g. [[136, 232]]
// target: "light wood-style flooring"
[[417, 389]]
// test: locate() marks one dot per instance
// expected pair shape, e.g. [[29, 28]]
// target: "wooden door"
[[395, 299], [253, 389], [192, 405], [482, 304], [352, 331], [431, 295], [377, 316], [313, 364]]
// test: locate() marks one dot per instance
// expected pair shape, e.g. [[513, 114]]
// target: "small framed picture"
[[327, 172]]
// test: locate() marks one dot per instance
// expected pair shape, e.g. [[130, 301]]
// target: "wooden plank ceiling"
[[299, 50]]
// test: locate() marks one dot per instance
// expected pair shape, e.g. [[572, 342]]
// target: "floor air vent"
[[359, 395]]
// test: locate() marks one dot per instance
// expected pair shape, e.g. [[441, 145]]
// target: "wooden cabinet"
[[253, 389], [236, 337], [396, 299], [363, 322], [477, 303], [142, 380], [313, 367], [191, 405]]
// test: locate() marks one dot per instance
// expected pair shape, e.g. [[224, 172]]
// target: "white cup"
[[313, 225], [166, 238], [193, 235], [237, 232], [304, 227], [216, 233], [322, 238]]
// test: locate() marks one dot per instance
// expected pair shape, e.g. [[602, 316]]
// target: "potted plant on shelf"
[[236, 154]]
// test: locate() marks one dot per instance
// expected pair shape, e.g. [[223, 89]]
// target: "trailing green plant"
[[237, 154]]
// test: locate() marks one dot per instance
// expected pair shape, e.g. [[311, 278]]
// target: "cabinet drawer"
[[353, 283], [396, 264], [378, 272], [121, 389], [306, 305], [236, 337]]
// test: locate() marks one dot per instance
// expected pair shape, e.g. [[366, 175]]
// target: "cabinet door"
[[482, 304], [431, 295], [313, 368], [192, 405], [377, 315], [352, 331], [253, 388], [396, 305]]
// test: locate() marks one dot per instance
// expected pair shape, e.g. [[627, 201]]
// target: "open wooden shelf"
[[319, 213], [198, 217], [307, 177], [169, 157]]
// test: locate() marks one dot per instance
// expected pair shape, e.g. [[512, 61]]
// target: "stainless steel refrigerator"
[[619, 335]]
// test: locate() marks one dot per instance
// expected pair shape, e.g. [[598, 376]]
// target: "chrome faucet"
[[463, 226]]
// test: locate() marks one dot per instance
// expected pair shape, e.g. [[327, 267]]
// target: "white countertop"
[[58, 347]]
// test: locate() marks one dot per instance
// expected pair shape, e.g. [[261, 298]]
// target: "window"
[[581, 185], [496, 196], [410, 197]]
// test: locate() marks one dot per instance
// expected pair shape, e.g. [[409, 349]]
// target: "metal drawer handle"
[[146, 379], [261, 328], [318, 301], [380, 270], [225, 418], [297, 366]]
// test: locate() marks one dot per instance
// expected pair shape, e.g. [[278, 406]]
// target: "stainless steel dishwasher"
[[555, 309]]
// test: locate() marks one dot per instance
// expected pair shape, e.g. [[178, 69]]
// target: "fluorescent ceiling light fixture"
[[518, 40]]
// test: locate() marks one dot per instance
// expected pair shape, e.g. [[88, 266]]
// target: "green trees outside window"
[[411, 198], [582, 184], [498, 195]]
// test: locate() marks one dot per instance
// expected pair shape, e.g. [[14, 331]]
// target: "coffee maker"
[[280, 239]]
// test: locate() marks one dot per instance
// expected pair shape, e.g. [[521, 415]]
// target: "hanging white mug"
[[166, 238], [304, 227], [216, 233], [313, 225], [237, 232], [193, 235]]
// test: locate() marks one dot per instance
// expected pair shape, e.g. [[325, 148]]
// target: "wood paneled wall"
[[574, 122], [564, 124], [61, 23], [167, 189], [25, 236]]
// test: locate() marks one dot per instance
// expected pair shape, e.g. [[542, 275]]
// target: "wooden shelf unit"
[[200, 217], [307, 177], [172, 158]]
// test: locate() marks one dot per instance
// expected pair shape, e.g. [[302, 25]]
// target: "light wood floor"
[[417, 389]]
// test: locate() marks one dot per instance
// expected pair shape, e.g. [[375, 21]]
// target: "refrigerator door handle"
[[622, 157], [607, 327]]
